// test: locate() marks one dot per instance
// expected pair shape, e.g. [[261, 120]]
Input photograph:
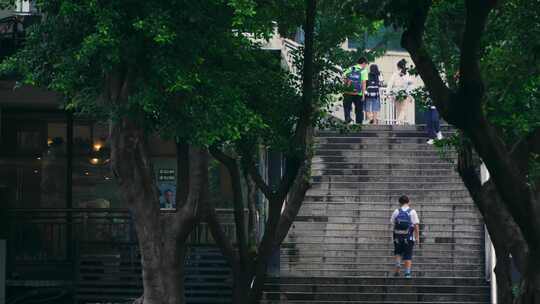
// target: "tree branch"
[[296, 197], [252, 209], [251, 169], [471, 83], [190, 213], [221, 239], [412, 41], [239, 219]]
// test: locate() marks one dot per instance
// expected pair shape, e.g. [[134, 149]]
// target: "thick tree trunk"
[[240, 287], [503, 272], [163, 271], [265, 251], [161, 237], [530, 284], [505, 234]]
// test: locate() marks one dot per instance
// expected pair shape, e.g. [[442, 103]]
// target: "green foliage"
[[509, 58], [444, 28], [447, 146], [508, 61], [188, 70], [511, 66]]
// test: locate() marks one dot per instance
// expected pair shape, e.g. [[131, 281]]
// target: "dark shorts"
[[403, 247]]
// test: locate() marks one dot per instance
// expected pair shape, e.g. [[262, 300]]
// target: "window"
[[33, 163], [93, 184], [385, 37]]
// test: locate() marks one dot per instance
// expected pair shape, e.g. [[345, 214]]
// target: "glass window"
[[93, 184], [33, 164], [387, 37]]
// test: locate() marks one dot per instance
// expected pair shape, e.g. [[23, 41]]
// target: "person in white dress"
[[400, 88]]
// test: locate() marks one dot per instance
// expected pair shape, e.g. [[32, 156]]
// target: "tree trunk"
[[265, 251], [163, 271], [503, 273], [240, 287], [505, 234], [161, 237], [252, 214], [529, 292]]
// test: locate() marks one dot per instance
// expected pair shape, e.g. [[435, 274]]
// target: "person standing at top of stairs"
[[433, 126], [355, 79], [406, 232]]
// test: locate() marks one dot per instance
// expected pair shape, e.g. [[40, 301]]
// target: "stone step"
[[394, 159], [425, 232], [370, 242], [378, 133], [350, 236], [367, 272], [422, 146], [383, 237], [371, 140], [391, 198], [442, 192], [355, 281], [347, 271], [383, 153], [307, 258], [389, 172], [385, 266], [439, 221], [368, 209], [382, 263], [373, 165], [384, 178], [386, 199], [360, 236], [371, 298], [387, 185], [293, 252], [426, 217], [310, 244], [400, 294], [381, 226]]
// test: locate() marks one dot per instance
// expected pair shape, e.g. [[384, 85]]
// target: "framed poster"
[[167, 187]]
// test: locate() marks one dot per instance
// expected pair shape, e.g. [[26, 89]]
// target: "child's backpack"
[[355, 76], [372, 87], [403, 222]]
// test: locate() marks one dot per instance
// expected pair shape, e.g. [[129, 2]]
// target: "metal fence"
[[55, 235]]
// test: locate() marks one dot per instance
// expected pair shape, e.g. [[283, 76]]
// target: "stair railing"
[[491, 259]]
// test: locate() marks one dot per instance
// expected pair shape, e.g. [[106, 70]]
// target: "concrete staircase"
[[340, 249]]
